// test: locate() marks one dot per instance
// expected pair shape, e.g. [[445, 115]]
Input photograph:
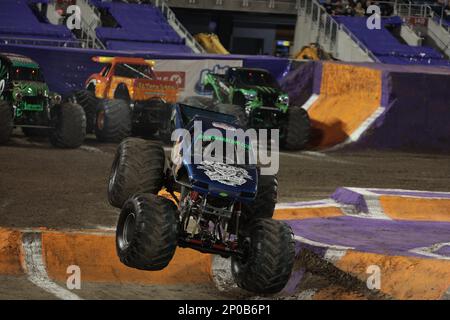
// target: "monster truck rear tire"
[[235, 111], [138, 167], [146, 235], [268, 256], [89, 102], [113, 121], [70, 126], [6, 121], [264, 204], [298, 129]]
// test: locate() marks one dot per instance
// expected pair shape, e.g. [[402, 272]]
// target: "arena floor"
[[66, 189]]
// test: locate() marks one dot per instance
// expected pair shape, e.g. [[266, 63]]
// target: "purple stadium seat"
[[386, 47], [24, 23], [141, 27]]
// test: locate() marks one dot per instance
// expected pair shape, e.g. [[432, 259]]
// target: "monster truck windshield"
[[26, 74], [256, 78], [134, 71]]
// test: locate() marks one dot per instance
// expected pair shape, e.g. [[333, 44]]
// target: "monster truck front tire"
[[6, 121], [70, 126], [113, 121], [266, 264], [146, 235], [138, 167], [266, 197], [89, 102], [298, 129]]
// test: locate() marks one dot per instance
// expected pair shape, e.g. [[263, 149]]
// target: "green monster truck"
[[254, 97], [25, 101]]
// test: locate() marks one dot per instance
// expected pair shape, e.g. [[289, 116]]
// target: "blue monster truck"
[[220, 209]]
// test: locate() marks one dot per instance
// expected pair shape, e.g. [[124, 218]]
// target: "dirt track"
[[66, 189], [45, 187]]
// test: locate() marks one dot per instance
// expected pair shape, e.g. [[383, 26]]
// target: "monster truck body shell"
[[254, 89], [22, 84], [130, 79], [212, 178]]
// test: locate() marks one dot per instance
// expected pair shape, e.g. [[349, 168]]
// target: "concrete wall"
[[410, 37], [439, 35], [344, 48], [348, 50]]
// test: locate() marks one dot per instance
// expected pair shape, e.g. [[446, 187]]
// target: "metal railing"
[[272, 6], [89, 36], [88, 33], [328, 28], [178, 26], [42, 42]]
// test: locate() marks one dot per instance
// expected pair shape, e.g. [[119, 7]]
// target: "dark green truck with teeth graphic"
[[254, 97], [26, 102]]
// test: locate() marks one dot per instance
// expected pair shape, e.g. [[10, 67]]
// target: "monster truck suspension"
[[209, 224]]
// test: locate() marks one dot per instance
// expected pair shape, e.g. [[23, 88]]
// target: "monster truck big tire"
[[70, 126], [138, 167], [298, 129], [6, 121], [268, 256], [146, 234], [264, 204], [89, 102], [235, 111], [113, 121]]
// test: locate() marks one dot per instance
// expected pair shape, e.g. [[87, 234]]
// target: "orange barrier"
[[96, 256], [418, 209], [349, 95], [10, 252], [401, 277]]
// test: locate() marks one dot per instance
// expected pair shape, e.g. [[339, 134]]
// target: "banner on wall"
[[188, 74]]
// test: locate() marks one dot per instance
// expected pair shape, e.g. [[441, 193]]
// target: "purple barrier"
[[414, 108], [302, 82], [417, 110], [66, 69]]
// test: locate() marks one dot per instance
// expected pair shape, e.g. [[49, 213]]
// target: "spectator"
[[359, 10], [328, 6]]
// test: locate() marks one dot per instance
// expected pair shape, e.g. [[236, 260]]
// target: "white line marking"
[[333, 255], [437, 193], [430, 251], [308, 104], [308, 204], [360, 130], [321, 244], [37, 274]]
